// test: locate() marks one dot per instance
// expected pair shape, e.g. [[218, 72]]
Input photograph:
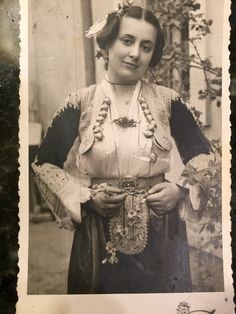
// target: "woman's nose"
[[134, 51]]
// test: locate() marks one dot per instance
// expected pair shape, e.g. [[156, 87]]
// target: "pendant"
[[125, 122], [129, 229]]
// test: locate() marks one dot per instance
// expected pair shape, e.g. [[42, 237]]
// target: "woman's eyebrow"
[[146, 41], [129, 35]]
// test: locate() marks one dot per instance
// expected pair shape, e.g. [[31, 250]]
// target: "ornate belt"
[[129, 228], [131, 184]]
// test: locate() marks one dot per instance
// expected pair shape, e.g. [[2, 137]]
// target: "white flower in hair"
[[96, 28]]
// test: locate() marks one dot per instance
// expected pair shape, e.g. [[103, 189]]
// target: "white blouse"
[[124, 151]]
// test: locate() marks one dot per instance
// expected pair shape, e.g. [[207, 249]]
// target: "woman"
[[101, 167]]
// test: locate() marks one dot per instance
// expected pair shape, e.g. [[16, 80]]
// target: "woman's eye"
[[146, 48], [126, 41]]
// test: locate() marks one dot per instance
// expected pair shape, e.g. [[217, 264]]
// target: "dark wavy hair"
[[111, 30]]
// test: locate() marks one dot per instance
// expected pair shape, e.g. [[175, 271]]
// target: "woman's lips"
[[131, 65]]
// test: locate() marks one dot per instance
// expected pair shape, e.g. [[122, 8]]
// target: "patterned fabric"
[[68, 159], [129, 229], [62, 192]]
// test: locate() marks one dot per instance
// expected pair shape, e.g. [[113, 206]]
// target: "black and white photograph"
[[126, 161]]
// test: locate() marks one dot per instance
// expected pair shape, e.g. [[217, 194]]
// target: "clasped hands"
[[164, 196], [108, 200], [161, 198]]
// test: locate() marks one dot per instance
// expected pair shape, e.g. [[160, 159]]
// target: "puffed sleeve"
[[63, 191], [196, 154]]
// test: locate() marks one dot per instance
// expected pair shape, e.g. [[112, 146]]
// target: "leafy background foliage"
[[178, 17]]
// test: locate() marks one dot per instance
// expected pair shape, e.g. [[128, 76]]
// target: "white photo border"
[[221, 302]]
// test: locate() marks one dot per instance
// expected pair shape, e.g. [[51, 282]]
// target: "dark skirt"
[[163, 266]]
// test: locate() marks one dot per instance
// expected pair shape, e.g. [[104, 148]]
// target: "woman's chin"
[[126, 77]]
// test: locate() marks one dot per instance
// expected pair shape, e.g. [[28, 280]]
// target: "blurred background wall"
[[56, 55]]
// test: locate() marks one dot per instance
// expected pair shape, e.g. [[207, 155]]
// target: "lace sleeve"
[[195, 178], [63, 191]]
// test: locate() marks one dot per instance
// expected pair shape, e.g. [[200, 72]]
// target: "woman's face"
[[131, 52]]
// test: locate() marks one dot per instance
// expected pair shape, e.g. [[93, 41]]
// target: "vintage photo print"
[[125, 157]]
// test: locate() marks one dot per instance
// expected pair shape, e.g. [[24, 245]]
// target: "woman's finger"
[[112, 189], [115, 198], [156, 197], [158, 207], [152, 199], [159, 211], [157, 187], [113, 205], [159, 204]]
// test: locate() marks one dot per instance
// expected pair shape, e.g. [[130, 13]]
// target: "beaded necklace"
[[124, 122]]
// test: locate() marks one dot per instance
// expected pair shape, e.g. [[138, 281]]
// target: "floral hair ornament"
[[98, 26], [123, 6]]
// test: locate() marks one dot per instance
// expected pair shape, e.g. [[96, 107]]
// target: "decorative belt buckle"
[[128, 183]]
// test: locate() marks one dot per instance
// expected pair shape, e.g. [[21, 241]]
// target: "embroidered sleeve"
[[196, 179], [196, 154], [201, 176], [201, 207], [64, 192]]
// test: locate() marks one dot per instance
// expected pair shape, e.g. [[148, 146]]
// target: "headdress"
[[98, 26]]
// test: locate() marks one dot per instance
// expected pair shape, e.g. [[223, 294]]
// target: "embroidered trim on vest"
[[72, 101]]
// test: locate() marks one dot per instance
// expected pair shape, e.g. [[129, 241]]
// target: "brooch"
[[125, 122]]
